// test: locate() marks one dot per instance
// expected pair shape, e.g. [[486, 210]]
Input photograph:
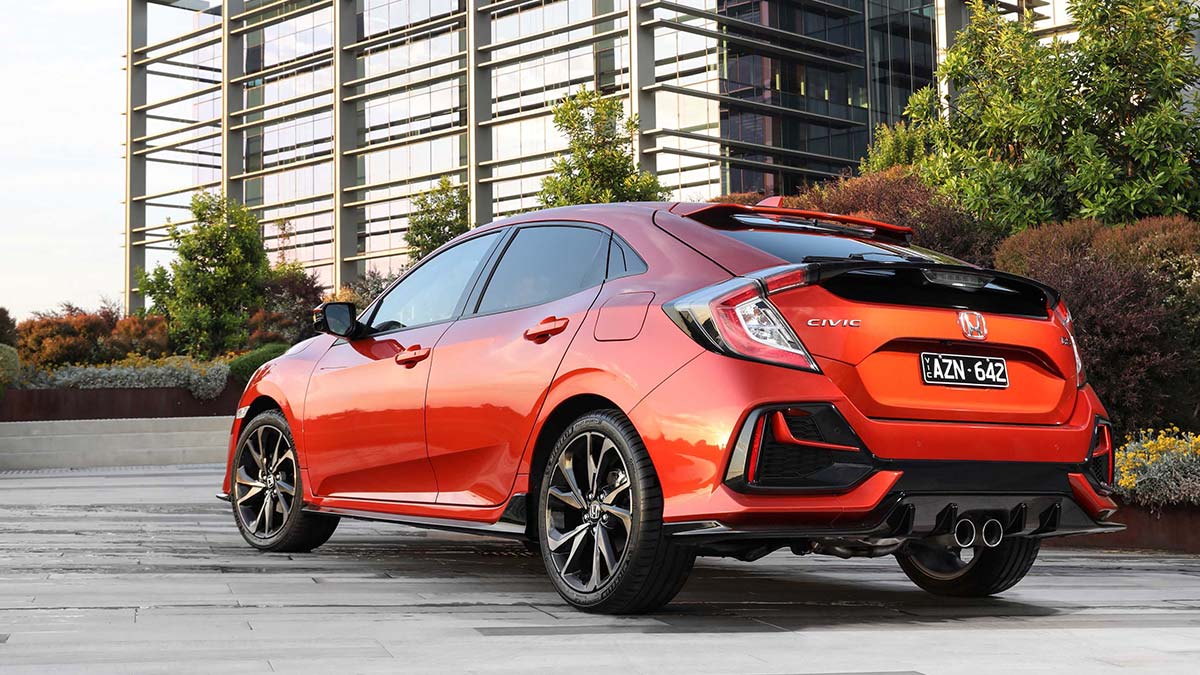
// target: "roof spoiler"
[[773, 206]]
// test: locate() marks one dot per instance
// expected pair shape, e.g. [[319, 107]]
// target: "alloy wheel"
[[588, 512], [265, 482]]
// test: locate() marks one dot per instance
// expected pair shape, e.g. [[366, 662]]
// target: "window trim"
[[476, 297], [368, 315]]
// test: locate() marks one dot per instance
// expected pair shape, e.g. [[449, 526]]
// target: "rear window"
[[799, 247]]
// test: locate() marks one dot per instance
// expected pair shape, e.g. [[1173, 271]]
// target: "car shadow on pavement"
[[779, 593]]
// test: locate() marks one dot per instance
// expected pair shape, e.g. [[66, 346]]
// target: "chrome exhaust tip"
[[992, 533], [964, 533]]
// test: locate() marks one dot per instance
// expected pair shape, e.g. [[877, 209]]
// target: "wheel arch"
[[554, 423]]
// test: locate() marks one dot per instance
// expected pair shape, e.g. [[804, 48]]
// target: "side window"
[[544, 263], [432, 291], [622, 260]]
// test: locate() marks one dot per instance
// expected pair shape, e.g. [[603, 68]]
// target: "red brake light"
[[736, 318]]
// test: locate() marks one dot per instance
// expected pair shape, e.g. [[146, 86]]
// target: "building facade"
[[328, 116]]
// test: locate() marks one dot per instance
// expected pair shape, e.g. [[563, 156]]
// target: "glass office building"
[[328, 116]]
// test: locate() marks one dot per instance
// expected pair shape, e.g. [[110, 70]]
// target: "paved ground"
[[140, 570]]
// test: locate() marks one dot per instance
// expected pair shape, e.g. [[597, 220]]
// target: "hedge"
[[205, 380], [243, 367]]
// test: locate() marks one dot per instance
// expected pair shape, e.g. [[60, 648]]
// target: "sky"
[[61, 172]]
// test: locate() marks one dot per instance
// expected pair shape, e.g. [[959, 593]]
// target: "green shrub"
[[205, 380], [10, 366], [1160, 468], [242, 368]]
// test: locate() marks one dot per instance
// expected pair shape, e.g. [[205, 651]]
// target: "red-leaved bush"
[[1135, 295], [897, 196]]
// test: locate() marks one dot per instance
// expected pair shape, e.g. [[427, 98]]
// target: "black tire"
[[251, 492], [650, 570], [990, 571]]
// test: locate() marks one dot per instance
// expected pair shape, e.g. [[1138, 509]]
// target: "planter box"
[[1171, 528], [30, 405]]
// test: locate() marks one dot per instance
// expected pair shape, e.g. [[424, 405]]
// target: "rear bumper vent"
[[1102, 457], [803, 447]]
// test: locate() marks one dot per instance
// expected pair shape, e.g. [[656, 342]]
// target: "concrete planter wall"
[[78, 444], [27, 405], [1172, 528]]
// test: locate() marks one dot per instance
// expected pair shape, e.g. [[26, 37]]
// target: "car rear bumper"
[[692, 423], [922, 501]]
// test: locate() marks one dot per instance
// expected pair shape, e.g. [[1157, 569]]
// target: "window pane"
[[545, 263], [431, 292]]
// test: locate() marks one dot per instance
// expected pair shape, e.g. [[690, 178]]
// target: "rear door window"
[[544, 263]]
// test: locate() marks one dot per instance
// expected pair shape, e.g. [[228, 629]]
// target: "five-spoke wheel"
[[600, 520], [589, 513], [267, 492], [265, 483]]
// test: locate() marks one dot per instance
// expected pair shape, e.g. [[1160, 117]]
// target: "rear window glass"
[[799, 247]]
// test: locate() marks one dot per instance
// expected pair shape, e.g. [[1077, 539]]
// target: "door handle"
[[412, 356], [549, 326]]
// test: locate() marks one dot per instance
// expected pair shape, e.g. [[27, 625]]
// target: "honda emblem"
[[973, 326]]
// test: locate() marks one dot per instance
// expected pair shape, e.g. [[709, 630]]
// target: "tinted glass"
[[622, 260], [543, 264], [431, 292], [797, 247]]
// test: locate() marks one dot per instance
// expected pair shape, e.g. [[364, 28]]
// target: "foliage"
[[71, 335], [205, 380], [437, 217], [289, 295], [364, 289], [743, 198], [895, 146], [8, 328], [145, 335], [67, 335], [900, 197], [10, 366], [242, 368], [600, 165], [1160, 468], [215, 281], [1102, 127], [1134, 308]]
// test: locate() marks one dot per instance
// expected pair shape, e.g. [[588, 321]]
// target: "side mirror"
[[336, 318]]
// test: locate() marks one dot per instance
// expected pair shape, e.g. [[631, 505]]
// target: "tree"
[[599, 166], [895, 146], [290, 293], [1099, 128], [8, 328], [437, 217], [214, 282]]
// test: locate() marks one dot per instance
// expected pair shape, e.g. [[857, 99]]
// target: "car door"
[[495, 364], [364, 428]]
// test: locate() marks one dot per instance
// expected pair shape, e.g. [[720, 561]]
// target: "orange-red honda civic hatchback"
[[630, 386]]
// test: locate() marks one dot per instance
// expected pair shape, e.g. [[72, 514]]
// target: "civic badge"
[[973, 326]]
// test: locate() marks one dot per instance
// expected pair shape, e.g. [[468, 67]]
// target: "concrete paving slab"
[[141, 570]]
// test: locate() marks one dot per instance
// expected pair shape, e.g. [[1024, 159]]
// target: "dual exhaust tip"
[[966, 534]]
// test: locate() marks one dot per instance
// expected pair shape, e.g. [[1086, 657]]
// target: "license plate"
[[960, 370]]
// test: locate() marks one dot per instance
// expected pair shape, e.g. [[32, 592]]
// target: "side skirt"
[[511, 524]]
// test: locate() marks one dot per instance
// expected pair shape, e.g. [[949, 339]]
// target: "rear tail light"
[[1102, 458], [735, 318], [1064, 315]]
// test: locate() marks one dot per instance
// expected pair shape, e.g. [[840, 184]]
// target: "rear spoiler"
[[818, 272], [773, 206]]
